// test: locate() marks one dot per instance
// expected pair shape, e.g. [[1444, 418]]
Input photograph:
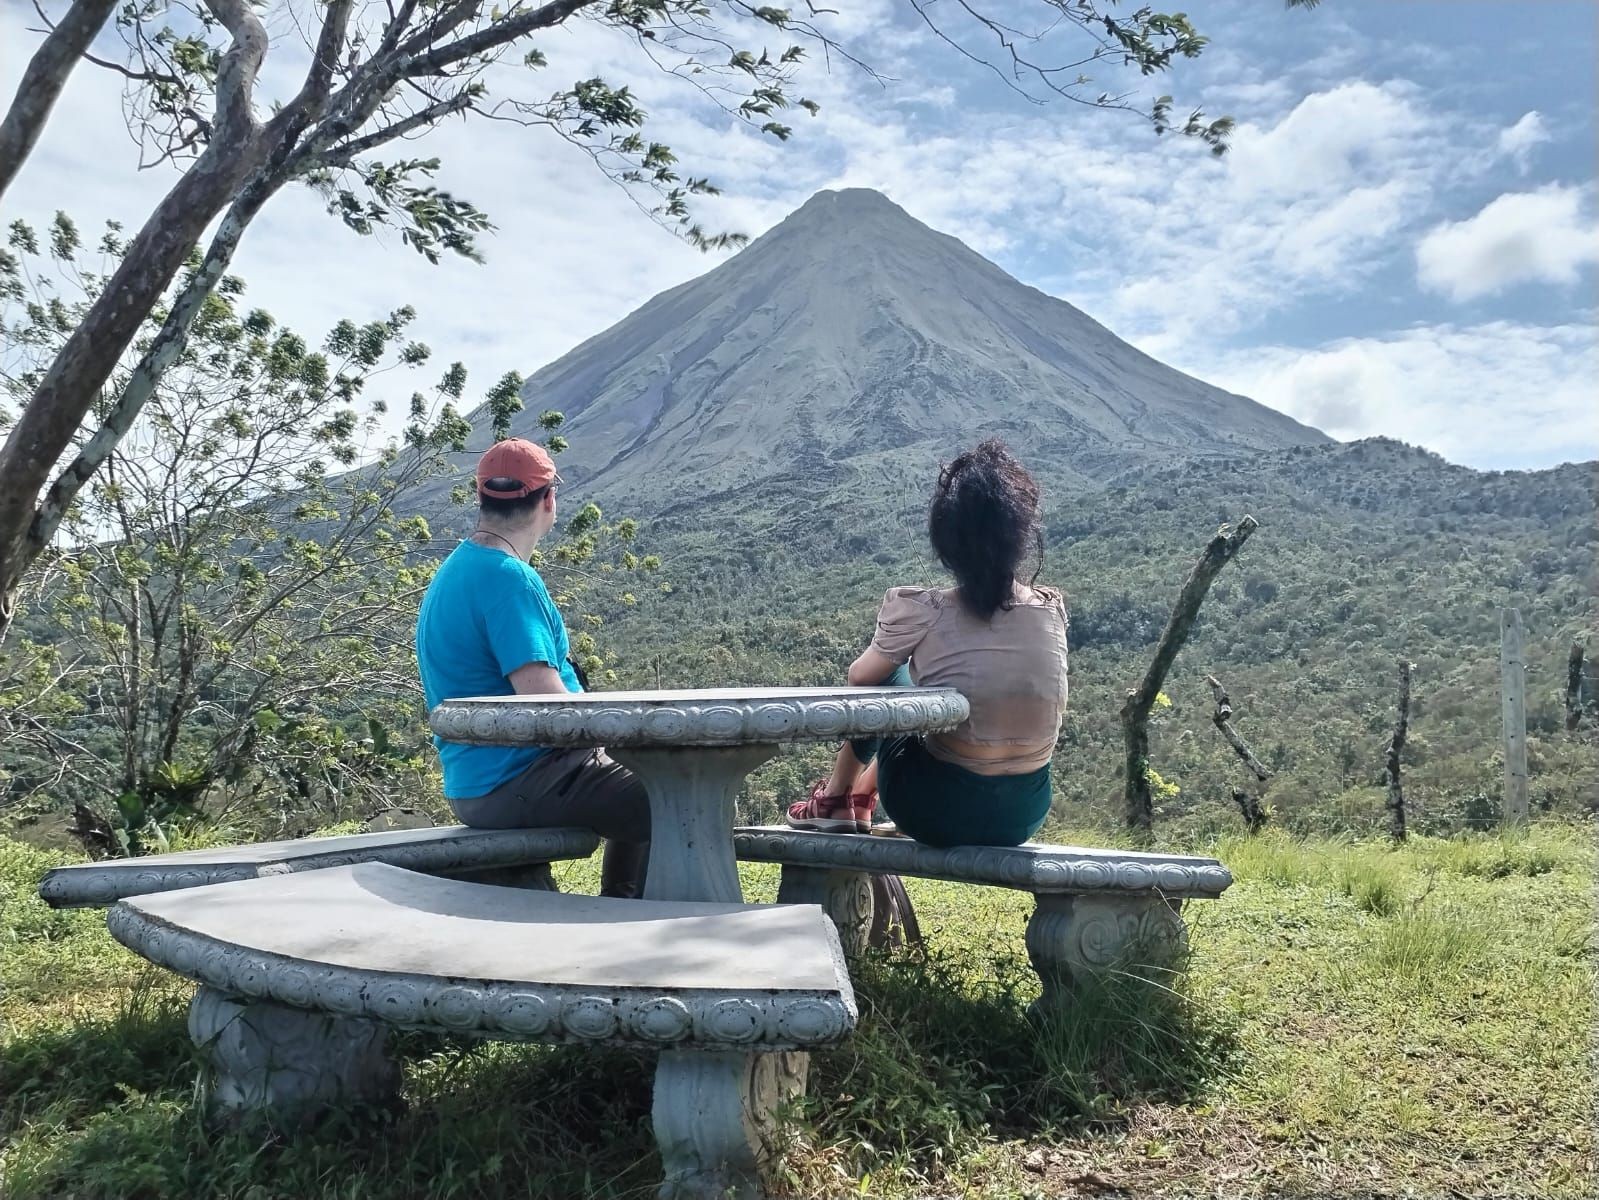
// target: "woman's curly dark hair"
[[984, 524]]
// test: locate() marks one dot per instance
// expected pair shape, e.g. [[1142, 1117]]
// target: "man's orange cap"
[[514, 468]]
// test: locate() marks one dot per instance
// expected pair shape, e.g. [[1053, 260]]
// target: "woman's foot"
[[833, 814]]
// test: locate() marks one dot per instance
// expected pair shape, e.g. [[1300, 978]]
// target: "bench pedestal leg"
[[714, 1115], [846, 897], [1069, 937], [691, 791], [288, 1062]]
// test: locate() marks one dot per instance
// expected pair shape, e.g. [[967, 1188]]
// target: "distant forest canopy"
[[1367, 551]]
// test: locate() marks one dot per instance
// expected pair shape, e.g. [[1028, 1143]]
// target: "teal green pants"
[[944, 805]]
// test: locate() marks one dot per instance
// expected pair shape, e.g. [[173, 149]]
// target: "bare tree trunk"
[[1392, 753], [1251, 809], [47, 424], [43, 80], [162, 351], [1140, 805], [1574, 697], [51, 418], [1254, 812]]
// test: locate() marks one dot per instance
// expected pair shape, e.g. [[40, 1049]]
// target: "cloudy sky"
[[1403, 240]]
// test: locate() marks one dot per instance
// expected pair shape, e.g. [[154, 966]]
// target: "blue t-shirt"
[[484, 615]]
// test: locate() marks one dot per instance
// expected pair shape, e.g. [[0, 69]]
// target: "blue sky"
[[1403, 240]]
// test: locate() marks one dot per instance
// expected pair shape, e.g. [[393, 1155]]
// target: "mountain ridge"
[[851, 342]]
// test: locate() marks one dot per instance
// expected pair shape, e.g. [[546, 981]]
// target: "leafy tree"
[[230, 628], [378, 74]]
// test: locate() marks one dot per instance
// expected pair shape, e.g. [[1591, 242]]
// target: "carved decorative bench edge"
[[96, 885], [1197, 878], [752, 1019], [1100, 915]]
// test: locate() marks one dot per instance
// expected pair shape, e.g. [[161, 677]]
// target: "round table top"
[[697, 717]]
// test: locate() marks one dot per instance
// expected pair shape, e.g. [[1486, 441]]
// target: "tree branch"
[[312, 97], [1135, 711], [235, 116], [42, 81], [343, 155], [164, 349], [54, 413], [494, 36], [1222, 718]]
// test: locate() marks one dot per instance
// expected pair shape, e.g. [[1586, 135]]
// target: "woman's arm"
[[872, 667]]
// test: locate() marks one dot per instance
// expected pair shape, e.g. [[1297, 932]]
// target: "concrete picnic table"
[[693, 750]]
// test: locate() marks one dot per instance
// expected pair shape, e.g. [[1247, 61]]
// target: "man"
[[489, 628]]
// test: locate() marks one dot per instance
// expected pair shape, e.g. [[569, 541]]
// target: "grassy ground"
[[1356, 1022]]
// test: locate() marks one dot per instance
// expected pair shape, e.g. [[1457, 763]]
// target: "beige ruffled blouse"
[[1011, 669]]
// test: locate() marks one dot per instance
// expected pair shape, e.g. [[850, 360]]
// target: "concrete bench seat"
[[488, 855], [1094, 909], [301, 976]]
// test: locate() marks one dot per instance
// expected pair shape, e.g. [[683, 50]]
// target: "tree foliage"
[[229, 625]]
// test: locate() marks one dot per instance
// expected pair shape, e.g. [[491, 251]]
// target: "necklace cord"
[[497, 537]]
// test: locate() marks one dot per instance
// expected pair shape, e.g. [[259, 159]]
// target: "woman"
[[999, 641]]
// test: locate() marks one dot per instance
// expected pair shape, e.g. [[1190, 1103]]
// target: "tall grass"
[[1344, 994], [1430, 944], [1379, 886]]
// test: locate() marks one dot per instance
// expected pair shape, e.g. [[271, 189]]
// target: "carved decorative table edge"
[[723, 722]]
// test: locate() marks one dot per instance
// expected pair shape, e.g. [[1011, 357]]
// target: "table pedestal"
[[715, 1116], [691, 792]]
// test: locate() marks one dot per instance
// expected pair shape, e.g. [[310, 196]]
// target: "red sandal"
[[833, 814]]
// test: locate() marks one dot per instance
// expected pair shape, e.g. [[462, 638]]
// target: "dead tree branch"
[[1254, 812], [1392, 753], [1574, 697], [1222, 718], [1251, 808], [1140, 804]]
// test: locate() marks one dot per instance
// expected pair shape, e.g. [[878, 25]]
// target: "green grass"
[[1356, 1021]]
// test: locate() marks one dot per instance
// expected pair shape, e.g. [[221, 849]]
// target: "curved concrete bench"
[[302, 975], [489, 855], [1094, 910]]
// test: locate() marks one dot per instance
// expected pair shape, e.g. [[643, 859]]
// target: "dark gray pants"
[[579, 787]]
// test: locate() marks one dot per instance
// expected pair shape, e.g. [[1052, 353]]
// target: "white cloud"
[[1499, 394], [1330, 138], [1332, 176], [1516, 142], [1306, 206], [1544, 236]]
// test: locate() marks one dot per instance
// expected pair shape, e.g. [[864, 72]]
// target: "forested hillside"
[[1366, 552]]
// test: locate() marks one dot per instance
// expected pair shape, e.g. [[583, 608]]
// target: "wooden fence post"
[[1513, 676]]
